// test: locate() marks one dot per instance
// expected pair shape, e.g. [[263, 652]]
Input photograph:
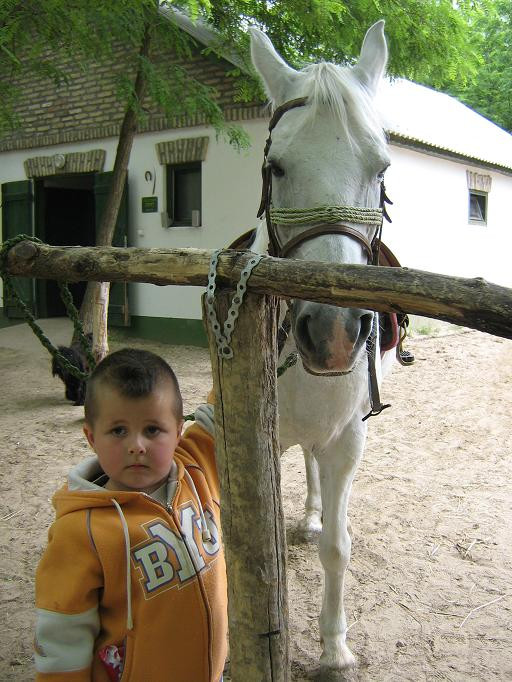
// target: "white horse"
[[327, 150]]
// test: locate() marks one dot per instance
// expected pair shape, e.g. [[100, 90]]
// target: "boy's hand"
[[211, 397], [205, 417]]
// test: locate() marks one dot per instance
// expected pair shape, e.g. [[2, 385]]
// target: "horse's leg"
[[312, 521], [337, 463]]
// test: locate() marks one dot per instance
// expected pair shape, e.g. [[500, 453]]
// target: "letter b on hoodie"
[[155, 563]]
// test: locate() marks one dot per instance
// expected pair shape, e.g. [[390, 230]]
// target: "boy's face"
[[135, 438]]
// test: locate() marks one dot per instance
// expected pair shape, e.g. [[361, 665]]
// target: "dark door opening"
[[65, 216]]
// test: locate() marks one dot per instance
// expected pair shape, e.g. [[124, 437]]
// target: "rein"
[[327, 220]]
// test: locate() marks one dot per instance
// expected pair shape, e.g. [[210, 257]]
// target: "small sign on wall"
[[149, 204]]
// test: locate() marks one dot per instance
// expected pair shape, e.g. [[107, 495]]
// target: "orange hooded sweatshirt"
[[149, 578]]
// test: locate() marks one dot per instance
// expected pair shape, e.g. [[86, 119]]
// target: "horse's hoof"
[[335, 675], [311, 525], [338, 658]]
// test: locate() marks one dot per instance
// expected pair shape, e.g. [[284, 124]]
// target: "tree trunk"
[[252, 516], [97, 293]]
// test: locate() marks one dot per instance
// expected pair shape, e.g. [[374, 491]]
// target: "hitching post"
[[246, 436]]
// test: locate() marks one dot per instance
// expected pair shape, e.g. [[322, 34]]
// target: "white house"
[[450, 181]]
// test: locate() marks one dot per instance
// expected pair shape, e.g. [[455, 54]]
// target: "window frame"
[[485, 195], [171, 172]]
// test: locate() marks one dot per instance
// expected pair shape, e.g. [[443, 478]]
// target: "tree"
[[428, 39], [490, 91]]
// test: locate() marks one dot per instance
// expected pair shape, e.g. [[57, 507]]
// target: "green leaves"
[[490, 90], [464, 47]]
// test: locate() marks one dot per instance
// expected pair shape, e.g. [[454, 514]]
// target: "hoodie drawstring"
[[129, 620], [205, 531]]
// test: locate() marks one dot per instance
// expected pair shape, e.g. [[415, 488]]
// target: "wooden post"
[[247, 450]]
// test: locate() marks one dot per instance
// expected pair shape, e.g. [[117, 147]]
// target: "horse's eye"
[[380, 174], [276, 169]]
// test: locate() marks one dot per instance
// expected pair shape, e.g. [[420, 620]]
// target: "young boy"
[[132, 585]]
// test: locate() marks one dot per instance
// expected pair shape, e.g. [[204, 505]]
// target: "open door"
[[118, 309], [17, 218]]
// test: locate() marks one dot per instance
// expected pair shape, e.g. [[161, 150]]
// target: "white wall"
[[430, 228], [231, 190], [231, 185]]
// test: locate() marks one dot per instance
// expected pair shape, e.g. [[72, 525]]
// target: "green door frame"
[[17, 218]]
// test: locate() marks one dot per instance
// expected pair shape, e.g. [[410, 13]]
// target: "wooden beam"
[[471, 303], [247, 451]]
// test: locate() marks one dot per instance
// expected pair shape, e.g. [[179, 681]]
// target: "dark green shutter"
[[118, 311], [17, 205]]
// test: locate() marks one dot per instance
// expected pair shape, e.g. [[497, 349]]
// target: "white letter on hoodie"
[[155, 564]]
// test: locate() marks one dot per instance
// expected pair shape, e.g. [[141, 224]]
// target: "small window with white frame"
[[184, 194], [479, 187], [477, 207]]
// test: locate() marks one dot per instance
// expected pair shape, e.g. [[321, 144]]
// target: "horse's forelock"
[[327, 84]]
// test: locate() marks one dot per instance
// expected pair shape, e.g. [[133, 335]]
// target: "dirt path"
[[429, 586]]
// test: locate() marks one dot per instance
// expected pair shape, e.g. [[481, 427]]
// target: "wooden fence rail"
[[471, 303]]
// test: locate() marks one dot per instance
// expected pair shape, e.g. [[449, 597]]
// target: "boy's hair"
[[133, 373]]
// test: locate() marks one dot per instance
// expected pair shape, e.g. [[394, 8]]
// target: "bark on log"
[[247, 450], [472, 303]]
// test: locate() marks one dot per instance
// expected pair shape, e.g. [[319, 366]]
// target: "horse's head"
[[327, 155]]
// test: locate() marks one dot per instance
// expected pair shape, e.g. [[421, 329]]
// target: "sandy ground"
[[430, 582]]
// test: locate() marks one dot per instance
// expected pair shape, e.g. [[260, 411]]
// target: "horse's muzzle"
[[329, 339]]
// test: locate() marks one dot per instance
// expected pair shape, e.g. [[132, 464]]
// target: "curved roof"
[[433, 119]]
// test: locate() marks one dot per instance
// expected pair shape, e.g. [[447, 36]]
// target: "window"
[[479, 187], [184, 194], [477, 207]]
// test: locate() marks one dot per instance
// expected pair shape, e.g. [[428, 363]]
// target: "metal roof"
[[432, 119]]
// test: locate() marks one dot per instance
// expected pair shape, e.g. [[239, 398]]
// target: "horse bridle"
[[276, 248]]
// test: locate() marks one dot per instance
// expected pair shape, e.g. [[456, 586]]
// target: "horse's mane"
[[327, 84]]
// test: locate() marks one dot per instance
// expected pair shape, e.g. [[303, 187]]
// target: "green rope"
[[10, 292], [326, 214], [289, 362]]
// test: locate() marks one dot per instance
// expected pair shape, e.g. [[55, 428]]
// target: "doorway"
[[65, 216]]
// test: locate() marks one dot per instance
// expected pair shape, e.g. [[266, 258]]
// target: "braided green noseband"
[[326, 214]]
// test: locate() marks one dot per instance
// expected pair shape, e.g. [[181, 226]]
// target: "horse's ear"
[[373, 58], [275, 73]]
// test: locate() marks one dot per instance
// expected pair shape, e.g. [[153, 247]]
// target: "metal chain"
[[223, 335]]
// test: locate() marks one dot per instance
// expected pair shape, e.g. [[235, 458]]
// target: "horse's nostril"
[[302, 332], [366, 323]]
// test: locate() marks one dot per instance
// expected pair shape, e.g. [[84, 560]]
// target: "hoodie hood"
[[81, 491]]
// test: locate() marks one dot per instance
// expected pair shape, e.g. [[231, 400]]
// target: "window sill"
[[184, 227]]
